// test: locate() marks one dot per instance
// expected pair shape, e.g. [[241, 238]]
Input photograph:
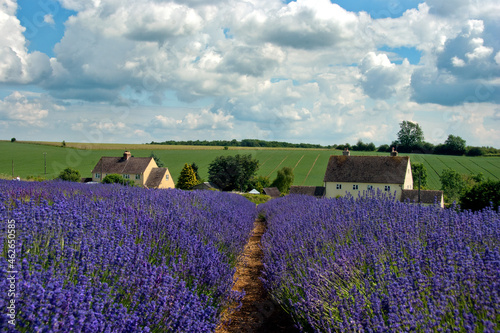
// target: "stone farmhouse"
[[354, 174], [142, 170]]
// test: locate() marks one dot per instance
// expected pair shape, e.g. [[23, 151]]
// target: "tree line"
[[410, 139]]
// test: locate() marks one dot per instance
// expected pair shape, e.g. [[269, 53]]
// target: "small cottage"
[[143, 171], [353, 174]]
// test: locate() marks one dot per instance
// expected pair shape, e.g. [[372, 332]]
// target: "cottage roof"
[[273, 192], [205, 186], [316, 191], [426, 196], [367, 169], [121, 165], [155, 177]]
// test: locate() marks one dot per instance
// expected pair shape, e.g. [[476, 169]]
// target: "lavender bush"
[[372, 264], [108, 258]]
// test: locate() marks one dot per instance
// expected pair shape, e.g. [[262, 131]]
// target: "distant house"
[[427, 197], [353, 174], [315, 191], [273, 192], [141, 170]]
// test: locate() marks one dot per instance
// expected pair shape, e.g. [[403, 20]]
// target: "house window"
[[167, 177], [370, 187], [354, 187], [387, 188], [97, 175], [126, 176], [137, 176], [339, 186]]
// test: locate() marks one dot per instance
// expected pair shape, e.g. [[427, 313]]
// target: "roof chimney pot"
[[346, 152], [127, 155]]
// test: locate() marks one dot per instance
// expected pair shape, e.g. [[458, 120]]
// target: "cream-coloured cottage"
[[142, 170], [354, 174]]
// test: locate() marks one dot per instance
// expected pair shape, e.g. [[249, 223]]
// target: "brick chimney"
[[394, 152], [346, 152], [126, 155]]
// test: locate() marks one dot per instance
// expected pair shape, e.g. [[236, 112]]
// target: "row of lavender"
[[97, 258], [376, 265]]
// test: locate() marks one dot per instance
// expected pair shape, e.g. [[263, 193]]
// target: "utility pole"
[[45, 163]]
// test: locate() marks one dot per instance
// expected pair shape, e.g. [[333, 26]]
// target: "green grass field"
[[309, 165]]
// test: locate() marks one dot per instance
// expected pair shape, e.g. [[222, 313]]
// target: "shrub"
[[70, 174]]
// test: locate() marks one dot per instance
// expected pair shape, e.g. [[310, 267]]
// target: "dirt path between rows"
[[258, 313]]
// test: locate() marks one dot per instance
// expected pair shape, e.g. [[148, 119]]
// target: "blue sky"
[[302, 71]]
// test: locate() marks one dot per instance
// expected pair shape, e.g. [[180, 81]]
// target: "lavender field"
[[375, 265], [97, 258]]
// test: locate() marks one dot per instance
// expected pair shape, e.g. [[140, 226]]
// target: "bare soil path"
[[258, 313]]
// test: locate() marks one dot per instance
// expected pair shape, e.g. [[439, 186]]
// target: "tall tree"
[[416, 170], [158, 162], [453, 184], [195, 169], [187, 178], [232, 172], [410, 135], [455, 145], [284, 179]]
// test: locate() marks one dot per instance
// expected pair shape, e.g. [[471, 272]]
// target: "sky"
[[313, 71]]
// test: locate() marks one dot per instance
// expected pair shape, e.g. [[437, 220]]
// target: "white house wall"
[[332, 191]]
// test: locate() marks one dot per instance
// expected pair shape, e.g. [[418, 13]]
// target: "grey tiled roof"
[[273, 192], [317, 191], [120, 165], [426, 196], [367, 169], [155, 177]]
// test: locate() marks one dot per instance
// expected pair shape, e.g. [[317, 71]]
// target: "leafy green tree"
[[482, 195], [284, 179], [158, 162], [70, 174], [416, 169], [232, 172], [453, 184], [454, 145], [187, 178], [13, 140], [115, 178], [410, 136]]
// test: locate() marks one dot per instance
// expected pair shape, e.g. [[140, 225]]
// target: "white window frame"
[[370, 187], [355, 187], [166, 176], [387, 188], [339, 186], [126, 176], [98, 175], [137, 177]]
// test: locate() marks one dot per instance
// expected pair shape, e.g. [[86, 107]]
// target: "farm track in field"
[[258, 313], [316, 160]]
